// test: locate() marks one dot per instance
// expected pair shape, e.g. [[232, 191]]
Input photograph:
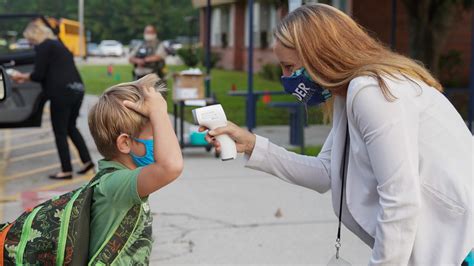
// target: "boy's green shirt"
[[115, 194]]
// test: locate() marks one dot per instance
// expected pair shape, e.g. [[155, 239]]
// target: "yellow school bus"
[[69, 35]]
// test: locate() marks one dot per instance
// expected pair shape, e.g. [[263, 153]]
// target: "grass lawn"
[[309, 150], [96, 81]]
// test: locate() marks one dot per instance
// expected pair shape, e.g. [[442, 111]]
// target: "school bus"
[[69, 35]]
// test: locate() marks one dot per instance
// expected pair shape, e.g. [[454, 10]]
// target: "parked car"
[[22, 104], [134, 44], [111, 48], [5, 87], [172, 46], [21, 44], [93, 49]]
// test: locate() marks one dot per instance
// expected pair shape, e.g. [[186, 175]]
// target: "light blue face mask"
[[146, 159]]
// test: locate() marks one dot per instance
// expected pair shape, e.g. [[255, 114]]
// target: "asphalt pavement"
[[216, 213]]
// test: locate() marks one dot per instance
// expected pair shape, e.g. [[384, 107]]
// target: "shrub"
[[215, 57], [194, 57], [189, 56], [271, 72], [450, 65]]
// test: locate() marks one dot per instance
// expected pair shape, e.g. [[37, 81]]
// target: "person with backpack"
[[149, 57], [108, 220]]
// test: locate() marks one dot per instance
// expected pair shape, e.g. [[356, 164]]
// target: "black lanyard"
[[343, 178]]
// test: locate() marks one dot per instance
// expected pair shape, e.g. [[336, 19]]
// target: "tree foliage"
[[430, 23], [122, 20]]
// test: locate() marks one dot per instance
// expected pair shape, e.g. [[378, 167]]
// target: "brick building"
[[230, 31]]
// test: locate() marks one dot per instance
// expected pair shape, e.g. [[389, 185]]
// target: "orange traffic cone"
[[267, 97]]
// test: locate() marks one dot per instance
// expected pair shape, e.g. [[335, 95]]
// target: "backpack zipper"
[[134, 228], [110, 236], [25, 234], [64, 228]]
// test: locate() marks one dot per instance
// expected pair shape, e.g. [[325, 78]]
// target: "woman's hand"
[[244, 140], [153, 103], [19, 77]]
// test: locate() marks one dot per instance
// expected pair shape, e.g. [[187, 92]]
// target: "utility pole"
[[251, 104], [470, 115], [82, 48], [208, 49]]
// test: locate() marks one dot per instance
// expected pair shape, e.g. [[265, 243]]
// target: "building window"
[[221, 26], [265, 29], [264, 21], [216, 27], [225, 28], [340, 4]]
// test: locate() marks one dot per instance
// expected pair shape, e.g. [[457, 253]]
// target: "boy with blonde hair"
[[132, 130]]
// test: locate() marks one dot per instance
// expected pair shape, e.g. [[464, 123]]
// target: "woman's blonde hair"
[[38, 32], [335, 49], [109, 118]]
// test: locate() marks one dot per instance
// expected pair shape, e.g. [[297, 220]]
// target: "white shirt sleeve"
[[390, 133], [307, 171]]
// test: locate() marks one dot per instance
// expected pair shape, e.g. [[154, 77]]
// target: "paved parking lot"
[[28, 156], [216, 213]]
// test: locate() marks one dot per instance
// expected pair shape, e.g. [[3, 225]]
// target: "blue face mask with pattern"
[[148, 157], [302, 86]]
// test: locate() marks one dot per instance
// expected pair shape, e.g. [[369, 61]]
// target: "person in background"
[[149, 57], [54, 68]]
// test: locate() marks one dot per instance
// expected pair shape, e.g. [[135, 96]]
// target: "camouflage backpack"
[[56, 232]]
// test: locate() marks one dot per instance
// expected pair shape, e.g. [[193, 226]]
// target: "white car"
[[111, 48]]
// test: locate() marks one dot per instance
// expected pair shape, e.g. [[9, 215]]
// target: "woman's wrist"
[[250, 144]]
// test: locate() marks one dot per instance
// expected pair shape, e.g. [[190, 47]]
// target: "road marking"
[[62, 183], [29, 144], [32, 132], [32, 155], [37, 170], [3, 165], [8, 199], [46, 124]]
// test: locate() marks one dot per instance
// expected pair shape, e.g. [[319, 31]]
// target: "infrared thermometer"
[[212, 117]]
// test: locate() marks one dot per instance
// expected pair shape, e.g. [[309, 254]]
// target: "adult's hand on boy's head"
[[153, 103]]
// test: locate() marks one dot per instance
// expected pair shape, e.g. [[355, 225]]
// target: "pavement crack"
[[172, 231]]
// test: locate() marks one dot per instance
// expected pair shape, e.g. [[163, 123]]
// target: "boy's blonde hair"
[[109, 118]]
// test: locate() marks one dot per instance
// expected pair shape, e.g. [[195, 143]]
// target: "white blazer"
[[409, 178]]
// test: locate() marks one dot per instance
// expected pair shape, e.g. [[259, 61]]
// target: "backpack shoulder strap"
[[3, 235], [95, 180], [117, 240]]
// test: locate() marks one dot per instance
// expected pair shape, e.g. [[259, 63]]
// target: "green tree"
[[430, 22], [122, 20], [125, 19]]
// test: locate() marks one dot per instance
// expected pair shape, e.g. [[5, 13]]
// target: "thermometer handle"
[[228, 148]]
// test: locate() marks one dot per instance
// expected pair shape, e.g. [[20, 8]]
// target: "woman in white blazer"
[[408, 165]]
